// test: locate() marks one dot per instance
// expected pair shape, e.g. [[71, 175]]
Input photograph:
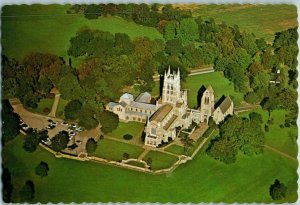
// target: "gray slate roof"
[[143, 97], [161, 113], [225, 104], [144, 106]]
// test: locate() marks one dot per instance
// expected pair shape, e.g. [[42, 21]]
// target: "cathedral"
[[170, 111]]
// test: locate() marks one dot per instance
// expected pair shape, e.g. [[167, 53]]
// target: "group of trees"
[[10, 122], [238, 134], [32, 139]]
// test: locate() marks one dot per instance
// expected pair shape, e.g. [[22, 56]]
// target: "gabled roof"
[[143, 97], [210, 89], [225, 105], [161, 113], [112, 104], [144, 106], [123, 104], [127, 96]]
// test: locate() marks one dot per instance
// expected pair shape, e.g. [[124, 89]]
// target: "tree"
[[72, 109], [27, 191], [33, 138], [188, 31], [256, 117], [127, 136], [92, 11], [60, 141], [42, 169], [109, 121], [7, 186], [69, 87], [125, 155], [10, 122], [277, 190], [91, 146]]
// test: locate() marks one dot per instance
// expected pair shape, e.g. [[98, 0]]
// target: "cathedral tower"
[[207, 104], [171, 88]]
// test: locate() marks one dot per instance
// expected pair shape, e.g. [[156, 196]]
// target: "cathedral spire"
[[169, 71], [178, 73]]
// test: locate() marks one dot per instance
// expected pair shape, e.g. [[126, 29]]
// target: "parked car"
[[73, 126], [54, 123], [49, 120], [72, 134], [78, 142], [79, 129], [25, 127], [64, 123]]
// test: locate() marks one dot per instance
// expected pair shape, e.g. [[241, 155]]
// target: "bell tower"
[[171, 88], [207, 104]]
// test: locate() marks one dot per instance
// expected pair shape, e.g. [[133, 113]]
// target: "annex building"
[[170, 111]]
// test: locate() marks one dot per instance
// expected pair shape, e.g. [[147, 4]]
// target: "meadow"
[[262, 20], [202, 180], [48, 28]]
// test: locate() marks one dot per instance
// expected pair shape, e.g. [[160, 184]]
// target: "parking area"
[[78, 137]]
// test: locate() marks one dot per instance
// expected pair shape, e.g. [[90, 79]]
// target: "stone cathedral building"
[[170, 111]]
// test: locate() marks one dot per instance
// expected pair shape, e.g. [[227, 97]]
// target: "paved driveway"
[[40, 122]]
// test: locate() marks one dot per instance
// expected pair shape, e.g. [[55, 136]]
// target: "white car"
[[25, 127], [73, 126], [54, 123], [79, 129]]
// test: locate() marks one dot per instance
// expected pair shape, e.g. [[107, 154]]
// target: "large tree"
[[72, 109], [277, 190], [109, 121], [60, 141], [27, 192], [91, 146], [42, 169], [10, 122]]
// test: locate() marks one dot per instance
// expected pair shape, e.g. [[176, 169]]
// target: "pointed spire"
[[165, 74], [169, 70], [178, 73]]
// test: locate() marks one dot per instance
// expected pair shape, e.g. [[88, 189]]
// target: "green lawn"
[[220, 85], [133, 128], [175, 149], [44, 103], [114, 150], [283, 139], [61, 107], [160, 160], [262, 20], [203, 179], [47, 28]]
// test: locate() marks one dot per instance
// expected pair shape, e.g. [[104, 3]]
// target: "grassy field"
[[44, 103], [220, 85], [160, 160], [262, 20], [47, 28], [114, 150], [60, 108], [283, 139], [175, 149], [203, 179], [132, 128]]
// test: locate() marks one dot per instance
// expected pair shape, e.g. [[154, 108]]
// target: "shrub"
[[46, 110], [101, 137], [281, 126], [277, 190], [127, 137], [266, 128], [126, 155], [91, 146]]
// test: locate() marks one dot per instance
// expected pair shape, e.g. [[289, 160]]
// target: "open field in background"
[[47, 28], [262, 20], [247, 180], [114, 150], [283, 139], [44, 103]]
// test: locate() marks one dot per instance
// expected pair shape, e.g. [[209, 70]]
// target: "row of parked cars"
[[23, 126]]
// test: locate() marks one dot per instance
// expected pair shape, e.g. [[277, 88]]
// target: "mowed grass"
[[219, 83], [44, 103], [203, 179], [61, 107], [175, 149], [160, 160], [133, 128], [262, 20], [48, 28], [113, 150], [282, 139]]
